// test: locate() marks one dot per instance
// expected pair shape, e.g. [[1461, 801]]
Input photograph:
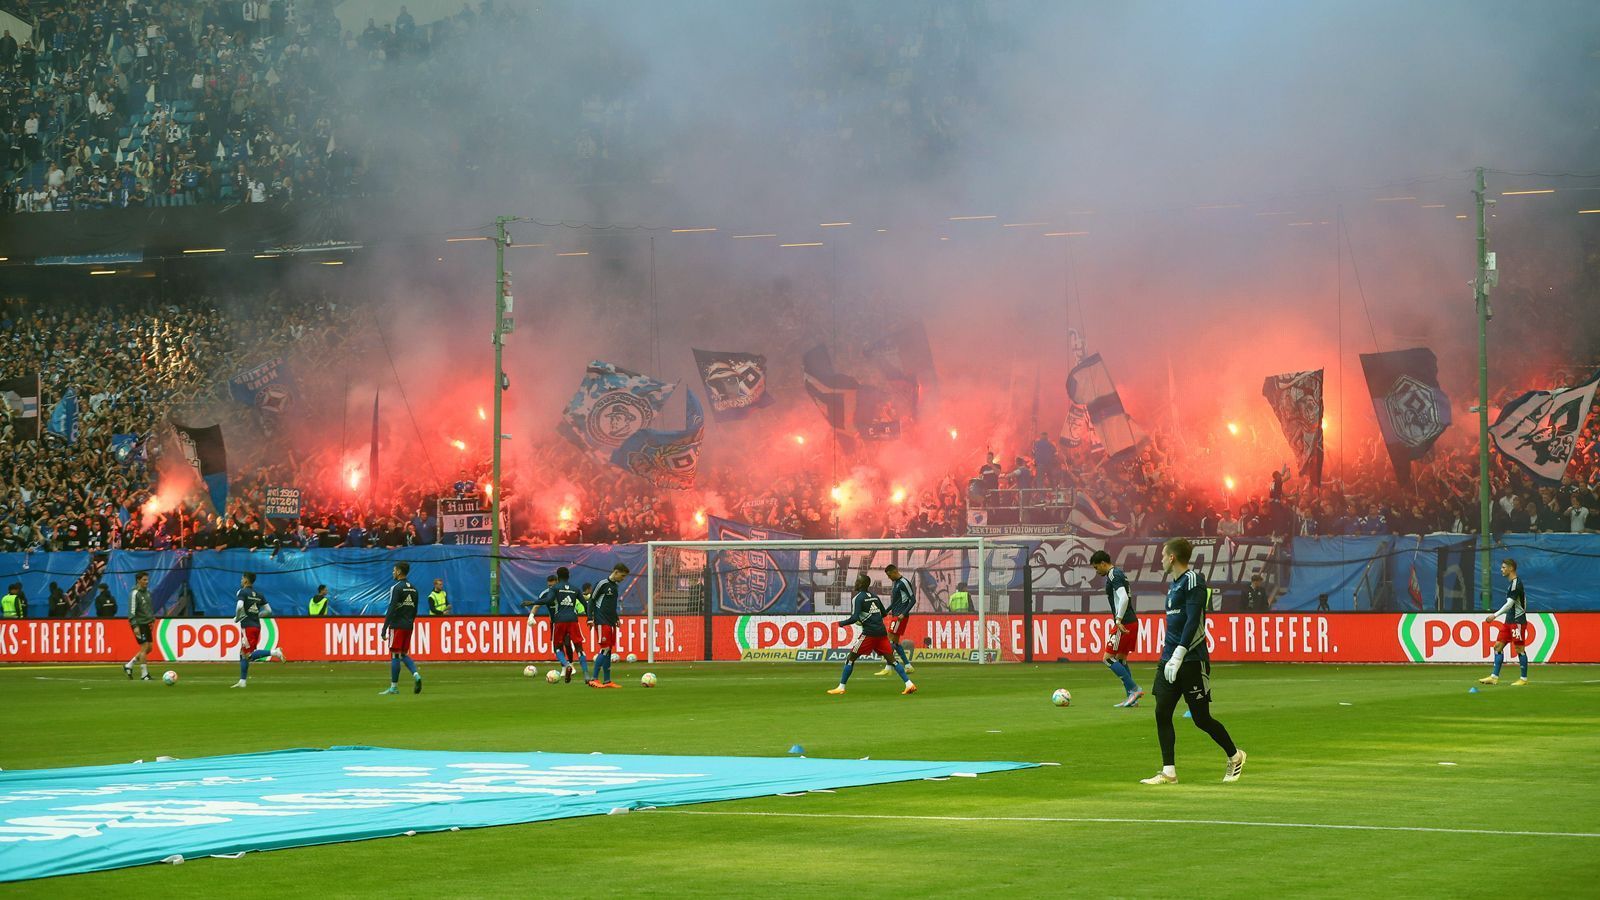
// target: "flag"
[[611, 405], [204, 451], [668, 459], [1076, 430], [125, 449], [1296, 397], [64, 418], [1539, 430], [1090, 384], [1412, 410], [372, 456], [21, 398], [735, 383], [268, 387], [1087, 518], [905, 360], [833, 392]]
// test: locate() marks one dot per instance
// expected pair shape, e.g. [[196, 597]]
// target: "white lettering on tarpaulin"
[[505, 779]]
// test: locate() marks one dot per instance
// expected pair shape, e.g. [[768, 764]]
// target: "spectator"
[[60, 606], [1256, 598], [105, 605]]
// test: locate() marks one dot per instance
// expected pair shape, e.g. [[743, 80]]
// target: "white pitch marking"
[[1112, 821]]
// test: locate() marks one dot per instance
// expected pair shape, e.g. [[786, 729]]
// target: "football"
[[552, 676], [632, 658], [1062, 697], [169, 677], [530, 671], [648, 679]]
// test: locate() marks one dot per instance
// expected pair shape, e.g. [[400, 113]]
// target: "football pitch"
[[1362, 780]]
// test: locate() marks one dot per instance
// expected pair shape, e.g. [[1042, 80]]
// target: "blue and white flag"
[[204, 451], [1412, 410], [64, 418], [1539, 430], [1090, 385], [268, 387], [21, 399], [610, 406], [126, 448], [668, 459]]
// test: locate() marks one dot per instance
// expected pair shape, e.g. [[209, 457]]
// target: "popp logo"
[[206, 640], [791, 632], [1466, 637]]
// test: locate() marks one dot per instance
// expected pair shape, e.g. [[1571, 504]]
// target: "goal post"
[[782, 599]]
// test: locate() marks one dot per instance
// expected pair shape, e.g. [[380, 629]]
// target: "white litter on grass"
[[1446, 764], [411, 834], [619, 811], [174, 860], [801, 794], [166, 759], [937, 778], [1342, 703], [964, 774], [1049, 764], [238, 855], [866, 757], [821, 791], [455, 827], [994, 732]]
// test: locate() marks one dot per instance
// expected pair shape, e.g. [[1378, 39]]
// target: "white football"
[[530, 671], [1062, 697], [552, 676], [169, 677], [648, 679], [632, 658]]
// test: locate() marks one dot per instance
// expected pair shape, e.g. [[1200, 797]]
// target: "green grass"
[[1526, 760]]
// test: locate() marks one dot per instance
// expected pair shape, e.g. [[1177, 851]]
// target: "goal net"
[[781, 600]]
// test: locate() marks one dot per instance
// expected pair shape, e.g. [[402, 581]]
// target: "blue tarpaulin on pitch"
[[89, 818]]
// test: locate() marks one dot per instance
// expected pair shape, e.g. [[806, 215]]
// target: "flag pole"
[[501, 326], [1487, 277]]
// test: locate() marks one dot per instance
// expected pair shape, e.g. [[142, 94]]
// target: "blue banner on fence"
[[91, 818], [1356, 573]]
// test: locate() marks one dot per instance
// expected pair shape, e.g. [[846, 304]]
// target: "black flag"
[[735, 382]]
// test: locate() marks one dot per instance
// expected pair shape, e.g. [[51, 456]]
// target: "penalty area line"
[[1101, 820]]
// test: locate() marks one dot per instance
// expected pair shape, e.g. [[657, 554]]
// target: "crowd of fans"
[[139, 362], [118, 103]]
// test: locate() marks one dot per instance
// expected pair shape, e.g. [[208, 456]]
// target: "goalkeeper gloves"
[[1173, 664]]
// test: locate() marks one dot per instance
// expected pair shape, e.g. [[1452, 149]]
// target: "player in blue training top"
[[605, 615], [566, 631], [1126, 623], [868, 613], [901, 599], [1186, 666], [249, 606], [397, 630], [1514, 630]]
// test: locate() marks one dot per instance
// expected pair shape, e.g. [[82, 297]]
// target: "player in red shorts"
[[397, 630], [1125, 622], [248, 609], [868, 613], [605, 613], [1513, 630], [902, 598], [566, 631]]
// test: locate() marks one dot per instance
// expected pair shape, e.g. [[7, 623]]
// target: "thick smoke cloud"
[[1233, 169]]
